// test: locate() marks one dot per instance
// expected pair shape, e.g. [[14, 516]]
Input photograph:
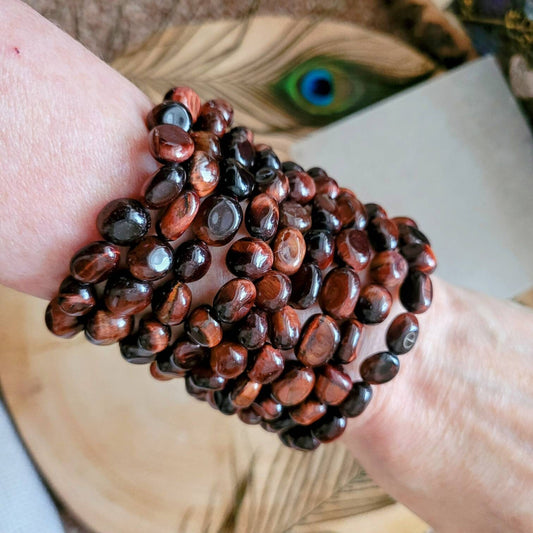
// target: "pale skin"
[[451, 437]]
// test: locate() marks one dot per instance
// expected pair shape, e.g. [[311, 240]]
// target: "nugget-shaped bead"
[[234, 300], [95, 262]]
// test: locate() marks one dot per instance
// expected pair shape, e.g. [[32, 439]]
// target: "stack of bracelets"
[[307, 239]]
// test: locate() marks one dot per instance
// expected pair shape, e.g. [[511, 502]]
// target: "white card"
[[455, 154]]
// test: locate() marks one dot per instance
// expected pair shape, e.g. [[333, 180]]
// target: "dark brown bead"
[[171, 302], [244, 393], [178, 216], [229, 359], [202, 327], [420, 257], [187, 97], [286, 166], [192, 260], [272, 182], [157, 374], [61, 324], [294, 385], [262, 217], [252, 331], [266, 407], [379, 368], [299, 438], [204, 173], [152, 335], [166, 367], [374, 304], [285, 328], [332, 385], [302, 186], [319, 341], [234, 300], [351, 331], [218, 220], [353, 248], [212, 120], [404, 220], [268, 365], [170, 144], [221, 401], [150, 259], [317, 173], [236, 180], [104, 328], [225, 108], [357, 400], [330, 427], [281, 424], [205, 377], [249, 257], [248, 416], [383, 234], [76, 298], [411, 235], [95, 262], [351, 211], [289, 250], [339, 293], [388, 268], [375, 211], [326, 215], [402, 333], [133, 353], [273, 291], [126, 295], [308, 412], [205, 141], [265, 157], [169, 112], [123, 221], [236, 145], [306, 285], [194, 391], [416, 292], [320, 247], [164, 186], [187, 354], [326, 185], [294, 215]]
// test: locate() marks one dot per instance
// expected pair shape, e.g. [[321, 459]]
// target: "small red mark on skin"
[[17, 51]]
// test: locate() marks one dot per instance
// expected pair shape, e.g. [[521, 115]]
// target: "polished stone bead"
[[123, 221], [299, 438], [171, 302], [357, 400], [150, 259], [192, 260], [218, 220], [204, 377], [404, 220], [268, 364], [308, 412], [61, 324], [170, 144], [273, 291], [319, 340], [374, 304], [340, 291], [326, 214], [375, 211], [306, 284], [244, 392], [164, 186], [229, 359], [103, 328], [262, 217], [266, 406], [204, 173], [332, 385], [351, 211], [164, 366], [249, 416], [169, 112], [203, 328], [249, 257], [388, 268], [266, 157], [234, 300], [281, 424], [152, 335], [317, 173], [235, 145], [420, 256], [178, 216], [289, 250], [95, 262], [411, 235], [75, 297], [133, 353], [285, 328], [187, 354], [252, 330], [286, 166], [402, 333], [330, 427], [320, 247], [416, 292], [326, 185], [351, 331], [272, 182], [294, 215], [194, 391], [379, 368], [236, 180], [383, 234], [211, 119], [222, 401], [205, 141], [225, 108], [187, 97], [126, 295], [353, 248], [302, 186], [157, 374], [294, 385]]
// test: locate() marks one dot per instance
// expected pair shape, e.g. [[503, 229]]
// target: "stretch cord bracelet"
[[248, 352]]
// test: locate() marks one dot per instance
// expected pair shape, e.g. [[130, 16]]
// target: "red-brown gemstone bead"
[[150, 259], [273, 291], [353, 248], [221, 400], [123, 221], [104, 328], [286, 166], [153, 336], [178, 216], [204, 173], [187, 354], [330, 427], [302, 186], [404, 220], [244, 393], [402, 333], [357, 400], [169, 112], [262, 217], [234, 299], [319, 341], [299, 438], [133, 353], [268, 365], [266, 407], [383, 234], [204, 377], [164, 186], [196, 392], [236, 145], [388, 268], [229, 359], [332, 385], [375, 211], [416, 292], [285, 328], [326, 214], [95, 262], [158, 374], [294, 385], [374, 304], [61, 324], [351, 211], [252, 330], [272, 182], [165, 366], [320, 247], [205, 141], [308, 412], [326, 185], [227, 112], [294, 215], [420, 256], [249, 257], [411, 235], [281, 424], [76, 298], [340, 291], [192, 260], [187, 97], [126, 295], [379, 368], [169, 143], [351, 331], [265, 157], [211, 120], [202, 327], [289, 250], [306, 285], [171, 302], [236, 180], [248, 416]]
